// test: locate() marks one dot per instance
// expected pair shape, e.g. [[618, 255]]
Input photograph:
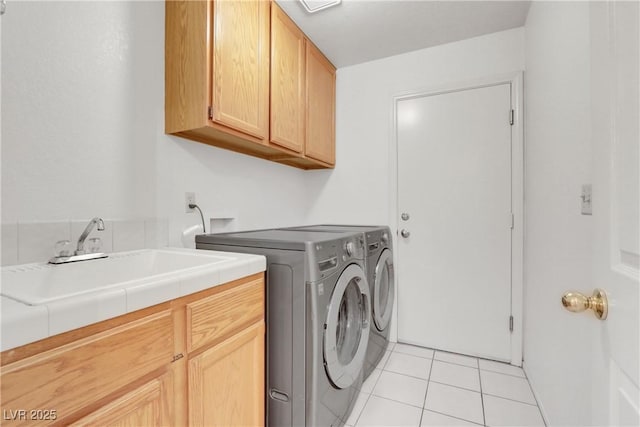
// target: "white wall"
[[357, 191], [558, 239], [82, 131]]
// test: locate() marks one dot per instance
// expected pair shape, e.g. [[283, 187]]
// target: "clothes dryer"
[[380, 274], [317, 318]]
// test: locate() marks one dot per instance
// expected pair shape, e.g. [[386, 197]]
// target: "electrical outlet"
[[189, 199]]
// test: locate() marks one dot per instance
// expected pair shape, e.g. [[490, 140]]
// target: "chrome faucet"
[[95, 221], [80, 254]]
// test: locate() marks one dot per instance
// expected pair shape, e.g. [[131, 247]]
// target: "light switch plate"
[[586, 199]]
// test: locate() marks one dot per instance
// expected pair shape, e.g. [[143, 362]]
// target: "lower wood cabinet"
[[147, 405], [137, 370], [227, 382]]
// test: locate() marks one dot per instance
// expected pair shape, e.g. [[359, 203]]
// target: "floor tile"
[[458, 359], [369, 383], [384, 359], [413, 350], [361, 400], [454, 401], [504, 412], [383, 412], [401, 388], [456, 375], [430, 418], [508, 386], [409, 365], [503, 368]]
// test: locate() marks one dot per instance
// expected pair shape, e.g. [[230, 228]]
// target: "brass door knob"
[[577, 302]]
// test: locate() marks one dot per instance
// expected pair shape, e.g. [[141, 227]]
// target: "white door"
[[616, 204], [455, 185]]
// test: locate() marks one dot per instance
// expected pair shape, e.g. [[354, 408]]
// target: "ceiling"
[[358, 31]]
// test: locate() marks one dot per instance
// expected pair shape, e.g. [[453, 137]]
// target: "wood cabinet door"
[[240, 66], [321, 104], [147, 405], [287, 81], [226, 382], [80, 373]]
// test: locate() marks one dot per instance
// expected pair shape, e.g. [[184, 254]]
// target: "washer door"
[[347, 327], [383, 290]]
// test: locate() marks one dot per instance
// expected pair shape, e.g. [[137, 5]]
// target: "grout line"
[[424, 401], [452, 416], [397, 401], [456, 364], [457, 386], [513, 400], [377, 379], [407, 375], [361, 410], [504, 373], [464, 356], [484, 417], [409, 354], [544, 421]]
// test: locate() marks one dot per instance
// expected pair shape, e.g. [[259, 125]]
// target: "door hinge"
[[511, 220], [512, 116], [510, 323], [177, 357], [210, 112]]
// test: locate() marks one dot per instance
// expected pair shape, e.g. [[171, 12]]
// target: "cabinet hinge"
[[210, 112], [510, 323], [511, 219], [512, 116], [177, 357]]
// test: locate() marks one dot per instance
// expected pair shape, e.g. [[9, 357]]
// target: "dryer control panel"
[[329, 257]]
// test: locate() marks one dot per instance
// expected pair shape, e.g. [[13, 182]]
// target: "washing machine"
[[317, 318], [380, 274]]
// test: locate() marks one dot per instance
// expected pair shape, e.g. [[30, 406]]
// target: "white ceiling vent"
[[312, 6]]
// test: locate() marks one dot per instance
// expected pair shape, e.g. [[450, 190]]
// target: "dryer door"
[[383, 290], [347, 327]]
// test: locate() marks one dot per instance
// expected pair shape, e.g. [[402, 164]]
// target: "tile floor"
[[414, 386]]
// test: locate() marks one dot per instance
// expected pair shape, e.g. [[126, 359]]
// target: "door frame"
[[515, 79]]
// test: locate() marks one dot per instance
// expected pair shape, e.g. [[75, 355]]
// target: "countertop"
[[23, 324]]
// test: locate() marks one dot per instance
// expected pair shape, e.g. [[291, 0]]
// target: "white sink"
[[36, 284]]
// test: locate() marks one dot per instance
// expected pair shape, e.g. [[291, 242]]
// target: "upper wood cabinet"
[[287, 82], [321, 101], [240, 79], [236, 78]]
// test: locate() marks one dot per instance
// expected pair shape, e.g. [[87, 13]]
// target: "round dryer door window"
[[347, 327], [383, 290]]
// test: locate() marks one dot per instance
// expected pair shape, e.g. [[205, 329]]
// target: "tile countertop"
[[23, 324]]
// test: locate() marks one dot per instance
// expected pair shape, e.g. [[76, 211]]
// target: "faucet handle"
[[94, 245], [63, 248]]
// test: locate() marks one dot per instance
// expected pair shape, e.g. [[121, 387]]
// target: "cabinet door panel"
[[240, 66], [226, 382], [75, 375], [321, 93], [216, 317], [148, 405], [287, 82]]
